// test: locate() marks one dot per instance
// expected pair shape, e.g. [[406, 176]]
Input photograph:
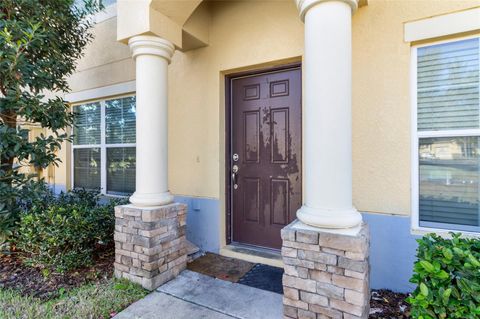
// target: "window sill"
[[445, 233], [111, 196]]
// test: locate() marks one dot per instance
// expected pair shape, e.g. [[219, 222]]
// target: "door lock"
[[234, 176], [235, 157], [234, 180]]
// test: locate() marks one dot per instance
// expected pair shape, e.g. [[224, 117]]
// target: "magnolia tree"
[[40, 42]]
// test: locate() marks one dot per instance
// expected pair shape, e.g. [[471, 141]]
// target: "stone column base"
[[326, 272], [150, 243]]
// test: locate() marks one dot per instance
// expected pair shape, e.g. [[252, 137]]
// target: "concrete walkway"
[[193, 295]]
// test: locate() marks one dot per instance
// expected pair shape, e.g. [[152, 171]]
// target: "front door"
[[266, 155]]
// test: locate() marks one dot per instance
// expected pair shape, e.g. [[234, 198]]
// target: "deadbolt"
[[235, 168], [235, 157]]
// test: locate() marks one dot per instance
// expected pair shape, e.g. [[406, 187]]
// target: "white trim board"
[[443, 25], [101, 92]]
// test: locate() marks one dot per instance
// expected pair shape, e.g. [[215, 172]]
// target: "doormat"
[[220, 267], [264, 277]]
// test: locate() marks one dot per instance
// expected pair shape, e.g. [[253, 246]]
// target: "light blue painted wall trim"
[[57, 188], [392, 252], [392, 247], [203, 218]]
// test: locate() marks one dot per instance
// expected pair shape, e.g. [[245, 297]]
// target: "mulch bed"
[[36, 282], [385, 304]]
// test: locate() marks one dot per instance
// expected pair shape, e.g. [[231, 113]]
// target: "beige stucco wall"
[[253, 34], [196, 117], [381, 101]]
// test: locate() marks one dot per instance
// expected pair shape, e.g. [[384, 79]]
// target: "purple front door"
[[266, 155]]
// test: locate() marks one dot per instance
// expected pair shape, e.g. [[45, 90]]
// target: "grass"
[[91, 301]]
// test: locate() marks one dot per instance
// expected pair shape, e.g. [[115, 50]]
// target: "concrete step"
[[235, 300], [193, 295], [158, 305], [232, 299], [193, 252]]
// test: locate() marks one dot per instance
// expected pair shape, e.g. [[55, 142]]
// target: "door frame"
[[228, 135]]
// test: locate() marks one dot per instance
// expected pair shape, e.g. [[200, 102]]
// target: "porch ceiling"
[[172, 20], [184, 23], [178, 11]]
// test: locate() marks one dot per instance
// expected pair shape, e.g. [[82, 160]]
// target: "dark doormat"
[[220, 267], [264, 277]]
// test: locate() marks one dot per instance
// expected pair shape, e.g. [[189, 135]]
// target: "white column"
[[327, 114], [152, 56]]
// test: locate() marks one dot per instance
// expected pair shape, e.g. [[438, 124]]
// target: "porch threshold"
[[252, 254]]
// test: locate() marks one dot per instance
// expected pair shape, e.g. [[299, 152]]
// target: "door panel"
[[266, 136]]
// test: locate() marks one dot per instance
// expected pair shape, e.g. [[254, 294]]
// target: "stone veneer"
[[150, 243], [326, 272]]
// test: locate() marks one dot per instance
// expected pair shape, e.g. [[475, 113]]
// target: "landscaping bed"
[[385, 304], [43, 284], [89, 292]]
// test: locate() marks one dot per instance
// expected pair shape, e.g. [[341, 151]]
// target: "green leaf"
[[424, 289], [427, 266], [458, 251], [447, 253], [442, 275], [473, 260], [446, 295]]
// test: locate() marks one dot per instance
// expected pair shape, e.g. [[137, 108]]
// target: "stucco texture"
[[381, 101], [247, 35]]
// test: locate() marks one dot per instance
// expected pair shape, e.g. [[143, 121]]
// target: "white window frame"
[[102, 146], [416, 135]]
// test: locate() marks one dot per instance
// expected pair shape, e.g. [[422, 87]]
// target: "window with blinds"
[[86, 130], [120, 121], [448, 86], [104, 146], [448, 132]]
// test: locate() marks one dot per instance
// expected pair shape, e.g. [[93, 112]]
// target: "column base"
[[150, 243], [325, 218], [326, 273], [156, 199]]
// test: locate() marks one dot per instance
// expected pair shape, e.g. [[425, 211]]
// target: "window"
[[109, 9], [104, 146], [446, 179], [107, 3]]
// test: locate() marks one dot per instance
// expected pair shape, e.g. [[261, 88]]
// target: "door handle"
[[234, 178]]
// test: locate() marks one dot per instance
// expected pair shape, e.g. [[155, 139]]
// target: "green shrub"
[[30, 193], [65, 233], [447, 273]]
